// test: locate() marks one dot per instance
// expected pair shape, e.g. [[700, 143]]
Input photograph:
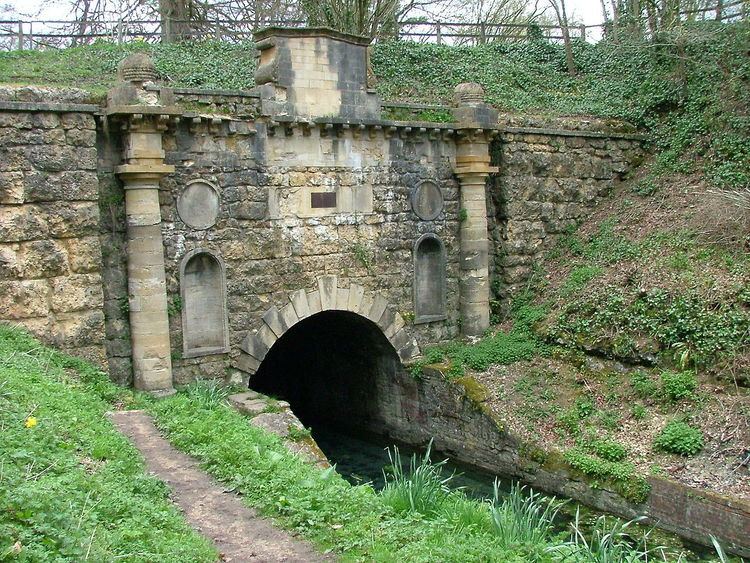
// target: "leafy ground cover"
[[661, 278], [72, 487]]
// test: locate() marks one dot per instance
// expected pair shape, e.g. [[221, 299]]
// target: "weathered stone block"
[[81, 137], [75, 185], [23, 299], [78, 121], [36, 259], [72, 219], [81, 328], [11, 187], [84, 255], [327, 286], [21, 223], [275, 322], [76, 292], [248, 210], [299, 302]]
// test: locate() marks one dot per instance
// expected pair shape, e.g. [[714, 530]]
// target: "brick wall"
[[549, 179]]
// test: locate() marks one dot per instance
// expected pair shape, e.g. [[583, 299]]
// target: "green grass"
[[322, 506], [71, 486]]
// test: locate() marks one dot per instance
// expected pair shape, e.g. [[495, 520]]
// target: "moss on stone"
[[473, 390]]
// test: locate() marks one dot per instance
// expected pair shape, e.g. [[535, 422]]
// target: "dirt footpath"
[[236, 530]]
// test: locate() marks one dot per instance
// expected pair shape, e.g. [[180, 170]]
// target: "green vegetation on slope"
[[662, 296], [71, 486]]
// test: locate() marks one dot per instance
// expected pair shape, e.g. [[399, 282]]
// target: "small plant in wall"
[[408, 316], [463, 215], [363, 255], [174, 307]]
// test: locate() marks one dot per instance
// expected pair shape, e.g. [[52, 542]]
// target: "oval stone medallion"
[[427, 200], [198, 205]]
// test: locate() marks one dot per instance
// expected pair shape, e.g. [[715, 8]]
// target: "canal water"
[[362, 458]]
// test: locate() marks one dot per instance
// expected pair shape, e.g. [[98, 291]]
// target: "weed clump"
[[679, 438], [678, 385]]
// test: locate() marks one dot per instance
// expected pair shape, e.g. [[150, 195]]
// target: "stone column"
[[143, 117], [147, 290], [476, 122]]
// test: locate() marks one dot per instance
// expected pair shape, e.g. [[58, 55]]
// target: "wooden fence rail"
[[36, 34], [41, 34]]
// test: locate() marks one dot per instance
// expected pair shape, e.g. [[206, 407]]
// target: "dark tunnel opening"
[[334, 368]]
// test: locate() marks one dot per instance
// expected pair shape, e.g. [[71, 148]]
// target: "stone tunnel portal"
[[334, 368]]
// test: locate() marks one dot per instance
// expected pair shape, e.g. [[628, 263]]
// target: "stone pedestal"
[[477, 122]]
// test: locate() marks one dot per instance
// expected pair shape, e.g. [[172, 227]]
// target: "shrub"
[[638, 412], [678, 385], [679, 438]]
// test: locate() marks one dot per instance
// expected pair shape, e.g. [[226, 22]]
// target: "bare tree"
[[558, 6], [501, 20], [370, 18]]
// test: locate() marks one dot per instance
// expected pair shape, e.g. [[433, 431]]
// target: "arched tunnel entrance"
[[344, 380], [334, 368]]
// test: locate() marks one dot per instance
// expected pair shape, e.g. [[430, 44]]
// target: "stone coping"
[[415, 105], [326, 122], [273, 31], [205, 92], [58, 107], [572, 133]]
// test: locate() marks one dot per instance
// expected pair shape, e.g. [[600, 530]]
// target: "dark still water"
[[361, 459]]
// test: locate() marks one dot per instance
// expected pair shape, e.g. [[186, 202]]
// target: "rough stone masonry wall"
[[549, 180], [50, 257], [266, 259]]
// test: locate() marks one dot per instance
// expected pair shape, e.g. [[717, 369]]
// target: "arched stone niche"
[[205, 329], [429, 279]]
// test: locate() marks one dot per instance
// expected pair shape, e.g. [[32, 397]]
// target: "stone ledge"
[[207, 92], [572, 133], [58, 107]]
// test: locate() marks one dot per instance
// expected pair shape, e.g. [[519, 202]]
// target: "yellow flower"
[[30, 422]]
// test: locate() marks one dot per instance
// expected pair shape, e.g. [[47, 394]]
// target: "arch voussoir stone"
[[328, 296]]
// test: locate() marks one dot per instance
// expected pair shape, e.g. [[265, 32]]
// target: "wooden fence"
[[40, 34]]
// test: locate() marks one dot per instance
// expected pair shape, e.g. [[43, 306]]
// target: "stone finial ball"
[[137, 67], [468, 94]]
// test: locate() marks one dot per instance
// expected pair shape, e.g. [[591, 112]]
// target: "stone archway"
[[328, 296]]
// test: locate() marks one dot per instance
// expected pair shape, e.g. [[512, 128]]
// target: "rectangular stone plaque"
[[322, 199]]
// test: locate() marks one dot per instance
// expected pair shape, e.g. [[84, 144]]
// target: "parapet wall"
[[549, 180], [50, 257]]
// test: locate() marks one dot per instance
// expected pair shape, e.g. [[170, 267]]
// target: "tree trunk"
[[175, 16], [562, 19]]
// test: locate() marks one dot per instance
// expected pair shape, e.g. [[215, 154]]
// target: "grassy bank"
[[74, 489], [71, 487]]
